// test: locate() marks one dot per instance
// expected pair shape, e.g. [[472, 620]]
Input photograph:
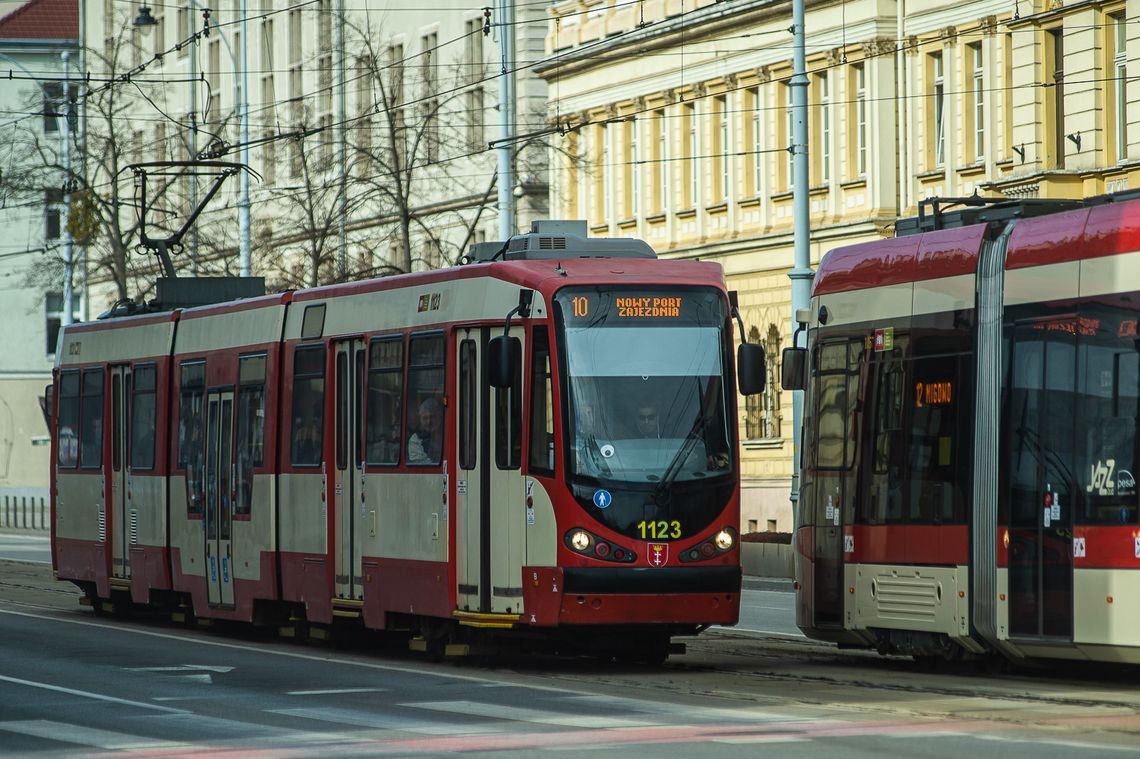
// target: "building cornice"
[[707, 21]]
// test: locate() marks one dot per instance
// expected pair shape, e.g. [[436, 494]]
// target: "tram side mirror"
[[750, 369], [792, 363], [504, 358]]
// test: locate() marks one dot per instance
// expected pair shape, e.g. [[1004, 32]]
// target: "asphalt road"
[[25, 546]]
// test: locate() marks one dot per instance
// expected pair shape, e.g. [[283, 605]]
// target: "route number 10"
[[581, 306]]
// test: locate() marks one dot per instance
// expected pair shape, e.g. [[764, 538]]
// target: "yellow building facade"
[[676, 120]]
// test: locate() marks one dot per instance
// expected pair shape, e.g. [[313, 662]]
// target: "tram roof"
[[1104, 226]]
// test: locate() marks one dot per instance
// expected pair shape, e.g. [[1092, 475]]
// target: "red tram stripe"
[[932, 544]]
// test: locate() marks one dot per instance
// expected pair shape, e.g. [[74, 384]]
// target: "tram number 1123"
[[659, 530]]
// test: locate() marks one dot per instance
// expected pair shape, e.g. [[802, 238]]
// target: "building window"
[[789, 137], [722, 169], [53, 318], [604, 135], [762, 412], [859, 75], [757, 125], [1055, 95], [1118, 118], [692, 147], [661, 165], [1007, 95], [977, 95], [823, 91], [634, 169], [53, 106], [937, 115]]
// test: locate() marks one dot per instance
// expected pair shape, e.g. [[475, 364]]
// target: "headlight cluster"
[[721, 543], [587, 544]]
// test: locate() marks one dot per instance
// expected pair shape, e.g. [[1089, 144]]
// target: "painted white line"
[[334, 691], [762, 739], [182, 668], [521, 714], [89, 694], [86, 736], [795, 636]]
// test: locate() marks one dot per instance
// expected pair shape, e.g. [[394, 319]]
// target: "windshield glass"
[[645, 388]]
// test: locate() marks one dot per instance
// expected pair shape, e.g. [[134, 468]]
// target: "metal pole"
[[68, 247], [506, 180], [342, 149], [189, 31], [801, 273], [243, 112]]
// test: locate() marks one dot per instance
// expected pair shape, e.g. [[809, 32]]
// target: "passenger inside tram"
[[425, 446]]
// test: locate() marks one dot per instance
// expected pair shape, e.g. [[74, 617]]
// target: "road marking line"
[[85, 736], [522, 714], [334, 691], [89, 694]]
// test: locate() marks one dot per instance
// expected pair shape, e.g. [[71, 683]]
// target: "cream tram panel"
[[258, 530], [1099, 620], [230, 330], [304, 513], [476, 299], [936, 296], [1110, 274], [124, 343], [1038, 284], [410, 516], [874, 304], [541, 535], [908, 598]]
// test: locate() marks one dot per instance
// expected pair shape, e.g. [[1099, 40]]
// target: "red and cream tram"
[[970, 441], [381, 450]]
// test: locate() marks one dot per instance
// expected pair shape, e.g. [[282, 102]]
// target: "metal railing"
[[24, 509]]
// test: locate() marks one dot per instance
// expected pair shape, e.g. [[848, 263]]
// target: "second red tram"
[[382, 451], [970, 442]]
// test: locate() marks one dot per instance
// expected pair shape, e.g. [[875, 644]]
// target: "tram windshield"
[[645, 380]]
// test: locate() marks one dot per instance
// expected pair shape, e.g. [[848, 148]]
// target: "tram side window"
[[884, 499], [143, 417], [1108, 401], [191, 455], [468, 388], [836, 397], [541, 456], [385, 391], [91, 423], [308, 429], [938, 444], [250, 429], [508, 420], [425, 399], [68, 421]]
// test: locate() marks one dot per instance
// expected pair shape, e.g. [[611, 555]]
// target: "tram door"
[[833, 487], [1039, 440], [490, 496], [220, 496], [348, 469], [120, 472]]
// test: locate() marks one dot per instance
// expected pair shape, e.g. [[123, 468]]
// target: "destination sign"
[[933, 394]]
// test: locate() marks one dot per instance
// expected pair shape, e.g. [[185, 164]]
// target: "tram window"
[[425, 399], [938, 444], [116, 422], [91, 423], [143, 417], [836, 393], [250, 428], [385, 391], [341, 411], [468, 385], [68, 422], [1107, 456], [541, 456], [308, 428], [191, 456], [508, 420]]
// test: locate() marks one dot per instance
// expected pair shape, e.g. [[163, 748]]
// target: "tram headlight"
[[724, 540], [580, 539]]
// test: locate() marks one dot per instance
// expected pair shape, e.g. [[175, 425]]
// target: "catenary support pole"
[[801, 273]]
